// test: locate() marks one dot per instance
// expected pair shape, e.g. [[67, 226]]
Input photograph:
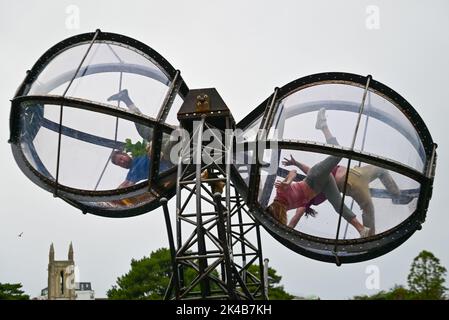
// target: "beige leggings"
[[358, 188]]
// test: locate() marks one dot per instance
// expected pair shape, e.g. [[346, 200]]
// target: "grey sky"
[[244, 49]]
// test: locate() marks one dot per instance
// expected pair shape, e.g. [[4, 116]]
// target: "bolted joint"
[[202, 103]]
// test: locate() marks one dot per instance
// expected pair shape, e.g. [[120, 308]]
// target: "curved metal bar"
[[80, 135], [353, 250], [298, 109], [89, 201], [48, 183], [61, 109], [345, 153], [91, 106], [405, 197], [105, 37], [411, 136], [350, 79], [157, 134], [345, 185], [97, 208], [155, 74], [108, 160], [265, 124], [362, 148]]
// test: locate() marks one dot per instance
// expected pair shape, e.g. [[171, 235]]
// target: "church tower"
[[61, 276], [71, 252]]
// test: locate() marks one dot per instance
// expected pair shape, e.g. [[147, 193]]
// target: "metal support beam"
[[210, 220]]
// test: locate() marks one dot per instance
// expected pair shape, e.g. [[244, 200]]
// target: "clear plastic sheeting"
[[380, 122], [84, 120], [98, 151], [56, 75], [377, 199], [244, 154], [111, 73], [298, 117], [242, 162], [121, 204], [299, 185], [250, 133], [387, 132], [127, 203], [167, 158]]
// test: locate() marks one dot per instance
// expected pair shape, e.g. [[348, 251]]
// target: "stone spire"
[[71, 252], [51, 254]]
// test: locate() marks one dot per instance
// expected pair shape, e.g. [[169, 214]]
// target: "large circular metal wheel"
[[381, 138], [66, 123]]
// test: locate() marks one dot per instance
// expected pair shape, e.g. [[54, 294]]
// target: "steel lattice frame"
[[218, 233]]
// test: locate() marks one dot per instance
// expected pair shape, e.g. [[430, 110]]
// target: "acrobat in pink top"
[[295, 195], [299, 194]]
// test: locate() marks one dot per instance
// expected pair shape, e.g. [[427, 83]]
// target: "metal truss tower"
[[217, 238]]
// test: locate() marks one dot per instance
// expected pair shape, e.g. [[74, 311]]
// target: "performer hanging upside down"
[[144, 131], [138, 167], [357, 188], [293, 195]]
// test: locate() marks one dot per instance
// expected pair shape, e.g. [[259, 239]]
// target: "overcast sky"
[[244, 49]]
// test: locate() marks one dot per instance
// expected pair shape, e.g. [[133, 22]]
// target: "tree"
[[275, 291], [147, 279], [425, 281], [150, 276], [396, 293], [11, 291], [426, 277]]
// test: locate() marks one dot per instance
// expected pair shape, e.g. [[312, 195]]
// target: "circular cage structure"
[[386, 164], [91, 124]]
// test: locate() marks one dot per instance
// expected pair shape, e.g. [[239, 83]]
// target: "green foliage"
[[275, 291], [136, 149], [426, 277], [11, 291], [147, 279], [396, 293], [425, 281]]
